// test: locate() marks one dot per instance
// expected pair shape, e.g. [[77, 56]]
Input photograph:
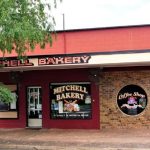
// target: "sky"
[[80, 14]]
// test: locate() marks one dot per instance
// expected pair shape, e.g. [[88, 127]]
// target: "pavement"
[[74, 139]]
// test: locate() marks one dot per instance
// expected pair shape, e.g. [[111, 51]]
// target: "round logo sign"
[[132, 100]]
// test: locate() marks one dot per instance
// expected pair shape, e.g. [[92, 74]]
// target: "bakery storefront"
[[102, 83], [76, 91], [50, 92]]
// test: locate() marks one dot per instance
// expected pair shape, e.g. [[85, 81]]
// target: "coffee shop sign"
[[48, 60]]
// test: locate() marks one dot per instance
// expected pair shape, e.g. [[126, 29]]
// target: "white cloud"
[[100, 13]]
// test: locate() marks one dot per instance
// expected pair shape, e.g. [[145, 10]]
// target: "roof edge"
[[103, 28]]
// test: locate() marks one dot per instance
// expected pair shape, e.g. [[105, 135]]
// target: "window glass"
[[70, 100], [34, 102], [10, 110]]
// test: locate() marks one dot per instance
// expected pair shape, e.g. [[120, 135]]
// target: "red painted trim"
[[43, 79], [98, 40]]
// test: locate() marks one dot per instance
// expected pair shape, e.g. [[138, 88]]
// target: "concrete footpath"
[[68, 139]]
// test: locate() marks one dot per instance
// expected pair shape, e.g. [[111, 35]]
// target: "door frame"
[[27, 103]]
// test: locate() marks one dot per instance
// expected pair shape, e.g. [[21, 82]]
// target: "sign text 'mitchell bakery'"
[[45, 61]]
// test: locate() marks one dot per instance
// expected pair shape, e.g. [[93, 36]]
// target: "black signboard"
[[70, 100], [132, 100]]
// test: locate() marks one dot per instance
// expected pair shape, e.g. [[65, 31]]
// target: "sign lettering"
[[63, 60], [15, 63], [49, 60]]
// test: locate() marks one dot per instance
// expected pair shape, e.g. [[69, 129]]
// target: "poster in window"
[[70, 100], [132, 100]]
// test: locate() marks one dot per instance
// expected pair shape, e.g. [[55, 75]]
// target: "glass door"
[[34, 107]]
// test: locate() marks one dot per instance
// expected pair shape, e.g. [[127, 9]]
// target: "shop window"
[[132, 100], [10, 110], [70, 100]]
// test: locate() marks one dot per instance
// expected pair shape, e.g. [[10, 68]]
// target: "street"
[[73, 139]]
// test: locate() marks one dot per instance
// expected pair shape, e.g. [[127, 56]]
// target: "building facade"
[[89, 79]]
